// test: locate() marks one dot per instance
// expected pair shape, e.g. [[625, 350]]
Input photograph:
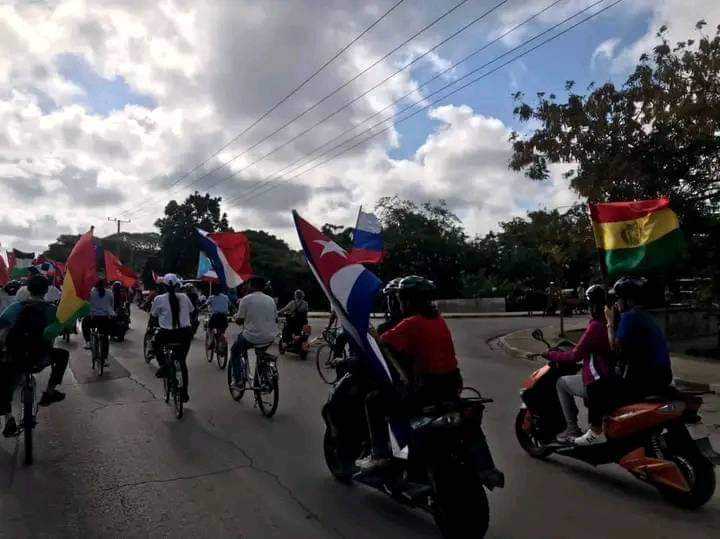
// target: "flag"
[[20, 262], [115, 271], [229, 254], [367, 244], [4, 272], [351, 290], [80, 277], [205, 270], [637, 237]]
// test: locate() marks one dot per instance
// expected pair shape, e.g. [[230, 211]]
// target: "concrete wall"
[[687, 323], [475, 305]]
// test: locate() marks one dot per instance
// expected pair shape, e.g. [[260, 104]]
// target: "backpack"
[[25, 339]]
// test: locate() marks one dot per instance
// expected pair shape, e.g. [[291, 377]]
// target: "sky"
[[113, 108]]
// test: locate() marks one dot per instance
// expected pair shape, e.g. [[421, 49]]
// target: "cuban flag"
[[205, 269], [367, 244], [351, 290], [229, 254]]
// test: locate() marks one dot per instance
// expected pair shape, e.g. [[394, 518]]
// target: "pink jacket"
[[593, 349]]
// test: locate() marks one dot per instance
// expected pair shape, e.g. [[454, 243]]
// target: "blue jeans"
[[239, 350]]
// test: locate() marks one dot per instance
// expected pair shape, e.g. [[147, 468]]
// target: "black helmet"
[[595, 295], [392, 286], [629, 288], [414, 285]]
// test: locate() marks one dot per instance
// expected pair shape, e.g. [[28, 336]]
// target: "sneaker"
[[568, 435], [372, 464], [11, 428], [590, 438], [50, 397]]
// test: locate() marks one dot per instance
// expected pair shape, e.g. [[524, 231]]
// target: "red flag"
[[115, 271], [4, 273], [11, 260]]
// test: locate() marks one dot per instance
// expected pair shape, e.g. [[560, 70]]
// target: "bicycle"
[[265, 380], [28, 392], [97, 350], [216, 345], [325, 359], [173, 382]]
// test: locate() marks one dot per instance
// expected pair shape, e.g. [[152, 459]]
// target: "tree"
[[178, 242], [659, 134], [60, 249]]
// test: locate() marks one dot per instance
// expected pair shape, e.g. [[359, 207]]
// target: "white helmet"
[[170, 279]]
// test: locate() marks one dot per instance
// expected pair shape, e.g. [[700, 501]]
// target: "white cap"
[[171, 279]]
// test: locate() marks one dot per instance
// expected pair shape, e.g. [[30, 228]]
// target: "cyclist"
[[172, 310], [102, 309], [22, 327], [219, 306], [258, 315]]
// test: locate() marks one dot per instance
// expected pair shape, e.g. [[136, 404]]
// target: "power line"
[[552, 38], [414, 90], [288, 96], [356, 99], [328, 96]]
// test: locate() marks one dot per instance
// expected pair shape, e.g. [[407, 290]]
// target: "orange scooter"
[[660, 440]]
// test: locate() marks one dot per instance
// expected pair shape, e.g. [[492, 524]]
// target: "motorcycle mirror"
[[537, 334]]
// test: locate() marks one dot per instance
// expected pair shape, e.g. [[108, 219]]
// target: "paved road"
[[113, 461]]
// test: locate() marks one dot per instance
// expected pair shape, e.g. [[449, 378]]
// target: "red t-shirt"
[[427, 341]]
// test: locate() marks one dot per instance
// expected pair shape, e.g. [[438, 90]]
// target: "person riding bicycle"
[[172, 311], [643, 359], [257, 314], [422, 351], [102, 310], [219, 306], [296, 312], [22, 329], [593, 349], [393, 313]]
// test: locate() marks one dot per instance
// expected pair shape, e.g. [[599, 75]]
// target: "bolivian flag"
[[635, 237], [80, 277]]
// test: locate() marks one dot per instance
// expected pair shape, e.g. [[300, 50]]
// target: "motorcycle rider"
[[296, 312], [643, 357], [593, 349], [257, 313], [21, 328], [172, 310], [425, 362]]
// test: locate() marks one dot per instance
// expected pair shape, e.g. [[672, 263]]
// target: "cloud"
[[606, 50]]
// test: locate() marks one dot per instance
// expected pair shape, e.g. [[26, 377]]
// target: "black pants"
[[218, 321], [104, 327], [184, 337], [9, 372], [293, 326], [390, 402], [607, 394]]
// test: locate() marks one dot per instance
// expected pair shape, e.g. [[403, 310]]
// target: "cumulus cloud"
[[606, 50]]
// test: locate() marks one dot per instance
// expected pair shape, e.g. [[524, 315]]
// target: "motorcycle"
[[446, 467], [660, 439], [298, 344]]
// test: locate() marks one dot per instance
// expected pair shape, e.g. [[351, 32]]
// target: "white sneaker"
[[568, 435], [590, 438]]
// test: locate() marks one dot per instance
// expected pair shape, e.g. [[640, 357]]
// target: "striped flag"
[[367, 244], [637, 237], [229, 253]]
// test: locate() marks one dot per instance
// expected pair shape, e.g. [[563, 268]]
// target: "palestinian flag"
[[637, 237], [80, 277], [20, 263]]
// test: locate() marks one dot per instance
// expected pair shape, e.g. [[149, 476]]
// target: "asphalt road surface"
[[112, 460]]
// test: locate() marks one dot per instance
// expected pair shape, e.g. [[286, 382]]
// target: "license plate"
[[698, 431]]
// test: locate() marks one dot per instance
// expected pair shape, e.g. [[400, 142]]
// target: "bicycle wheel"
[[28, 422], [325, 368], [267, 391], [177, 393], [236, 390], [167, 383], [101, 357], [147, 347], [221, 351], [94, 352], [209, 346]]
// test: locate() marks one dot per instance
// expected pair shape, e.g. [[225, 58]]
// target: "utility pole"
[[119, 222]]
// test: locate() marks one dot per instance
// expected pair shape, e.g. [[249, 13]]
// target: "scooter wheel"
[[699, 473], [527, 441]]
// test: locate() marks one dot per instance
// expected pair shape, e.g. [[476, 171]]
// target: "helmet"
[[299, 294], [629, 287], [414, 285], [595, 294], [170, 279], [392, 286]]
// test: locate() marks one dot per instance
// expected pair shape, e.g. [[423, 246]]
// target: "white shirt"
[[23, 294], [260, 318], [101, 305], [161, 309], [53, 294]]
